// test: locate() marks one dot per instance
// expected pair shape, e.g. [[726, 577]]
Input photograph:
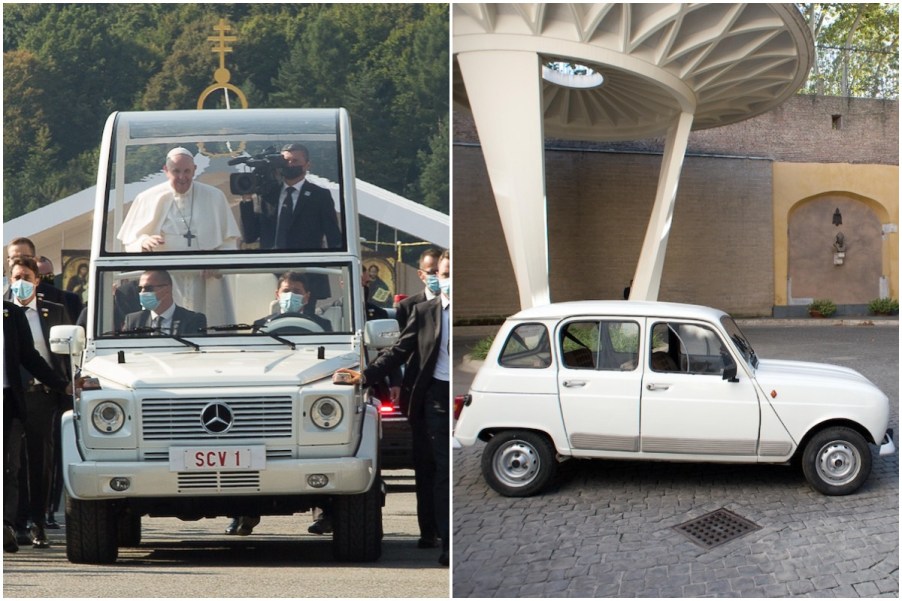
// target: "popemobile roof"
[[612, 308], [721, 62]]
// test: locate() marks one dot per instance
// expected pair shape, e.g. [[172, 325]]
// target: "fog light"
[[120, 484], [317, 480]]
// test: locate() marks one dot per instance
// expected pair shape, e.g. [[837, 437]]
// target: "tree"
[[857, 49]]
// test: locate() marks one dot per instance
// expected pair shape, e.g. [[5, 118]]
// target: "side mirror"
[[67, 340], [729, 373], [381, 333]]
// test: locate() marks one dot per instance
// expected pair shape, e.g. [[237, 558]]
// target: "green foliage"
[[480, 350], [824, 306], [884, 306], [68, 66], [857, 49]]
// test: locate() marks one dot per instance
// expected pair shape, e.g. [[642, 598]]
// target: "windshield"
[[249, 301], [741, 343], [216, 180]]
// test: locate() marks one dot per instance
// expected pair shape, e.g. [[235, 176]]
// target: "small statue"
[[839, 245]]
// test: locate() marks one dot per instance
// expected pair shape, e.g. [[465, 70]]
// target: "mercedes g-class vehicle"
[[226, 406]]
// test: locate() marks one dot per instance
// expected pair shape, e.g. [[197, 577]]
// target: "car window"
[[687, 348], [600, 345], [527, 347]]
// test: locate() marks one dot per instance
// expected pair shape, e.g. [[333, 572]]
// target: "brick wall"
[[598, 208], [801, 130], [600, 197]]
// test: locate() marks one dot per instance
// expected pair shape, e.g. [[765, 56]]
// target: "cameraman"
[[297, 215]]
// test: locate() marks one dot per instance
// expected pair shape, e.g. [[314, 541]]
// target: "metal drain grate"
[[716, 528]]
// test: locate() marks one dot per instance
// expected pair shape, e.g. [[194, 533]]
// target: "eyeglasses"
[[151, 287]]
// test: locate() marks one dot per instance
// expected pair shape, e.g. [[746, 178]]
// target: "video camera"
[[262, 172]]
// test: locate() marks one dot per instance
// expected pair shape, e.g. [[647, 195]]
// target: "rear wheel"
[[357, 525], [836, 461], [518, 463], [91, 531]]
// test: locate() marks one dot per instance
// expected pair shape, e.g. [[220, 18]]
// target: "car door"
[[599, 384], [688, 408]]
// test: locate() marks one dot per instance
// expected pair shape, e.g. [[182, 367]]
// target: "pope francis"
[[179, 214]]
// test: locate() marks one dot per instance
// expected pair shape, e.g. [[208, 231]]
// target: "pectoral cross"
[[189, 237]]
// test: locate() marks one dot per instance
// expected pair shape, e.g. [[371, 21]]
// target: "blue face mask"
[[22, 289], [149, 300], [445, 286], [290, 302], [432, 284]]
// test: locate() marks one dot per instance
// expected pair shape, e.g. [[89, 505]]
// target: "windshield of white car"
[[741, 343], [192, 304]]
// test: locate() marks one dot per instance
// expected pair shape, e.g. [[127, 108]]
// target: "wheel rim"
[[516, 463], [838, 462]]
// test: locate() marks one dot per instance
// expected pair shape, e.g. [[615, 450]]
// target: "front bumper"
[[91, 480]]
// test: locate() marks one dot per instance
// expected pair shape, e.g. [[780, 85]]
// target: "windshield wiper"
[[280, 339], [158, 331]]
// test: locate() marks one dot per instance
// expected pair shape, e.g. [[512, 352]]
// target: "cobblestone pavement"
[[605, 529]]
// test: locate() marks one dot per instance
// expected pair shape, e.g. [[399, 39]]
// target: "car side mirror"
[[729, 372], [381, 333], [67, 340]]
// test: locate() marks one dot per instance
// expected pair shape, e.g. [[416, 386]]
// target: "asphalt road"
[[280, 559], [606, 528]]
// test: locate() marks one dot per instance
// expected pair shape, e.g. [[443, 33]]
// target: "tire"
[[518, 463], [836, 461], [357, 525], [129, 529], [91, 532]]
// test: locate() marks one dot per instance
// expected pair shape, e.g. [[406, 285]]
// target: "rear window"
[[527, 346]]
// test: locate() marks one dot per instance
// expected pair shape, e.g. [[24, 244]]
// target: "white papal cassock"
[[203, 210]]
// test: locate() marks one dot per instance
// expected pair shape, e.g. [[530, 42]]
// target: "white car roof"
[[618, 308]]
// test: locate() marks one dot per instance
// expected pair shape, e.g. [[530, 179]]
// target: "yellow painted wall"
[[875, 185]]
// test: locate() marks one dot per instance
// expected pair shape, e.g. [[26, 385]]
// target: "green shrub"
[[481, 349], [824, 306], [884, 306]]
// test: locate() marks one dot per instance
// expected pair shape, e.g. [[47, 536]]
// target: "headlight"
[[326, 413], [108, 417]]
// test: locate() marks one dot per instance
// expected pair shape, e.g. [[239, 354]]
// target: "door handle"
[[658, 386], [574, 383]]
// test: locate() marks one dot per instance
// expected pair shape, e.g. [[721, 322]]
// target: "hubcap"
[[838, 462], [516, 463]]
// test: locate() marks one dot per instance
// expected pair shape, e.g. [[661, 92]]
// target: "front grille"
[[218, 481], [180, 418]]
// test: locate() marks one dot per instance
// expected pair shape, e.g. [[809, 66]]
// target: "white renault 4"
[[661, 381]]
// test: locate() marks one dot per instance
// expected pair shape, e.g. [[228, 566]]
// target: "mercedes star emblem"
[[217, 418]]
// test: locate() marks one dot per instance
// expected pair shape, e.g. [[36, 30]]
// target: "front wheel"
[[357, 525], [836, 461], [91, 531], [518, 463]]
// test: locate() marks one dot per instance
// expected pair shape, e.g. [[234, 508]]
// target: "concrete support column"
[[505, 94], [647, 280]]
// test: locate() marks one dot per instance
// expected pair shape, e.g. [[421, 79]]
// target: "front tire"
[[357, 525], [91, 532], [836, 461], [518, 463]]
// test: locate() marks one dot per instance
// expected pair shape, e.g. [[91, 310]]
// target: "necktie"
[[156, 322], [284, 220]]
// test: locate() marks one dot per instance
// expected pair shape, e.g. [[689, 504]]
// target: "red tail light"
[[386, 407], [460, 402]]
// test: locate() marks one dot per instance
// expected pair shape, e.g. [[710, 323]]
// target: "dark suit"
[[184, 322], [418, 346], [70, 300], [44, 404], [312, 220]]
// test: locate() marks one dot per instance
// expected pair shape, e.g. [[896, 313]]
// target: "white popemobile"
[[207, 391], [661, 381]]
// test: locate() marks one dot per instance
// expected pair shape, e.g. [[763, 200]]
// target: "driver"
[[294, 300]]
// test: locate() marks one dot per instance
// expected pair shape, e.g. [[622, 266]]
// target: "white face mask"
[[22, 290], [445, 286], [291, 302]]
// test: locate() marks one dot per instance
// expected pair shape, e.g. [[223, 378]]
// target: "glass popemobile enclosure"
[[220, 306]]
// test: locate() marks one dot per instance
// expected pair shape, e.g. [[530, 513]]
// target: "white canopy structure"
[[604, 72]]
